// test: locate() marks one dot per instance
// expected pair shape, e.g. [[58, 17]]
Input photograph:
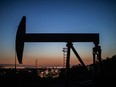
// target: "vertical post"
[[15, 73], [36, 65], [97, 66], [15, 62], [94, 64], [67, 64]]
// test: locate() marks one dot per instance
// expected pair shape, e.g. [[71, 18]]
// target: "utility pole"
[[64, 56], [36, 63], [15, 62]]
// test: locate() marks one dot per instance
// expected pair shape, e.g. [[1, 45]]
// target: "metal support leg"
[[67, 64], [79, 58], [94, 65], [97, 66]]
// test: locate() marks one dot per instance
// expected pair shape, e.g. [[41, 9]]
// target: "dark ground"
[[78, 77]]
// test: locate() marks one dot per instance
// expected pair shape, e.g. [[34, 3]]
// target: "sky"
[[57, 16]]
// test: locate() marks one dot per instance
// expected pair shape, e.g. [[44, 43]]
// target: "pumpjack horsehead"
[[69, 38]]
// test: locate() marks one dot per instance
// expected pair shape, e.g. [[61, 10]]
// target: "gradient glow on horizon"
[[57, 16]]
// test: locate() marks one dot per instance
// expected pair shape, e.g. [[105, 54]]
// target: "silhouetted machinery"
[[69, 38]]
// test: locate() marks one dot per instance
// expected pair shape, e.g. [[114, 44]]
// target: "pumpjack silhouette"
[[68, 38]]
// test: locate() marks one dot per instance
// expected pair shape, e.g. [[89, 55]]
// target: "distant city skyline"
[[57, 16]]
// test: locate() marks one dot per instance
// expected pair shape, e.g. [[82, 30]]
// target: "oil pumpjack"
[[68, 38]]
